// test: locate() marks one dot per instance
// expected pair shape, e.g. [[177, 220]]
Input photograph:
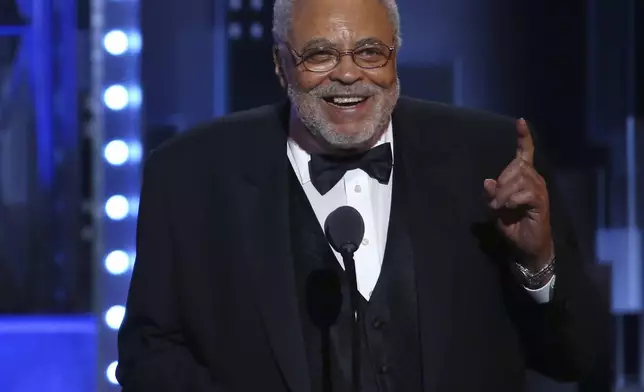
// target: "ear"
[[279, 69]]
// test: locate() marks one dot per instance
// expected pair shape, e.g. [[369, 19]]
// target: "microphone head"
[[344, 229]]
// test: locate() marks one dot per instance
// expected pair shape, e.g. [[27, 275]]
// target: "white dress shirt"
[[373, 200]]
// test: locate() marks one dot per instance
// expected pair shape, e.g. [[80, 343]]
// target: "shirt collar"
[[300, 158]]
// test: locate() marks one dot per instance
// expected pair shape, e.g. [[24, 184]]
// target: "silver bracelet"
[[535, 280]]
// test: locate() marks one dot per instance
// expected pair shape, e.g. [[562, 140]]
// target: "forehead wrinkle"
[[346, 34], [339, 35], [335, 28]]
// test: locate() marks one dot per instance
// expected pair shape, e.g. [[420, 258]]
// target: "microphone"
[[344, 229]]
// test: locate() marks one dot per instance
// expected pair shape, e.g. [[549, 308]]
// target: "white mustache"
[[338, 90]]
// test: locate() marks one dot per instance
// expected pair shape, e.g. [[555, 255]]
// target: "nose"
[[347, 72]]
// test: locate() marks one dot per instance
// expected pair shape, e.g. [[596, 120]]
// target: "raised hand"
[[519, 199]]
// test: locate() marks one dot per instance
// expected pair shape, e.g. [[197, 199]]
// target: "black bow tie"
[[326, 171]]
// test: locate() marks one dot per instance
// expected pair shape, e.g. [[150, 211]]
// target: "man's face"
[[348, 107]]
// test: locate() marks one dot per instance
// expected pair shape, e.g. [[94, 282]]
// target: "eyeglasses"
[[325, 59]]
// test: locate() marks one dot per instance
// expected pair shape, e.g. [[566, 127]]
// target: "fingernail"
[[489, 182]]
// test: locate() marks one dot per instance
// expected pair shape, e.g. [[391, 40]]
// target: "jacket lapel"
[[264, 202], [424, 176]]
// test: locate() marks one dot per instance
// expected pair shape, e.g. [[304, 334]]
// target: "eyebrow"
[[369, 40], [318, 42]]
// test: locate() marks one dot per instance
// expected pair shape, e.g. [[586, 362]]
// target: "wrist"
[[535, 279], [538, 262]]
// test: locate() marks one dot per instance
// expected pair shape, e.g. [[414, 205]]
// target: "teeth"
[[347, 100]]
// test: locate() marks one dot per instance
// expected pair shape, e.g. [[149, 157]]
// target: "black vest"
[[390, 340]]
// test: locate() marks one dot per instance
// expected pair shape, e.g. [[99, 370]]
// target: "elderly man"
[[468, 272]]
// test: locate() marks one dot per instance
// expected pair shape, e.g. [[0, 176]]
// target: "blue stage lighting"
[[116, 42], [257, 30], [110, 373], [116, 97], [117, 262], [114, 316], [117, 152], [117, 207]]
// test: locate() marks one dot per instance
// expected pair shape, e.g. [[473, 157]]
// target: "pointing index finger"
[[525, 146]]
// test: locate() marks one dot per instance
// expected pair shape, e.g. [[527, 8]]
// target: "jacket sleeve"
[[152, 350], [570, 336]]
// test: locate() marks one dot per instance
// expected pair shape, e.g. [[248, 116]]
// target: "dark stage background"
[[574, 69]]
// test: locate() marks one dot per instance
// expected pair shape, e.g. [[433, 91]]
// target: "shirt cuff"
[[543, 295]]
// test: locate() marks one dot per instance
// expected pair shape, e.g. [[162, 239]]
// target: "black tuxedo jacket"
[[212, 303]]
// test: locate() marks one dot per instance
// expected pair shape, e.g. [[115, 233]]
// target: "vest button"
[[384, 369], [377, 323]]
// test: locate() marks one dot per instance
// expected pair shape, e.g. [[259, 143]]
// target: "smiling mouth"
[[345, 102]]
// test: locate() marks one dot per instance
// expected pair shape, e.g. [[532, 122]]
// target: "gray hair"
[[283, 10]]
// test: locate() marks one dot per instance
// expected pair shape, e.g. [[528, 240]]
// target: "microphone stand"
[[350, 266]]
